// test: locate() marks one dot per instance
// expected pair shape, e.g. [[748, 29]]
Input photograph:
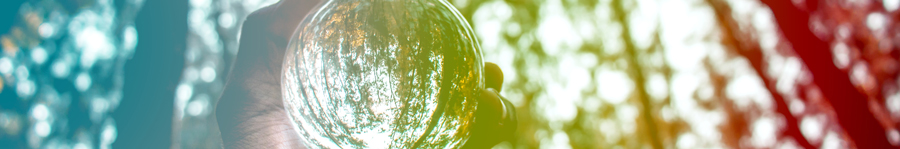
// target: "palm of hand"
[[250, 112]]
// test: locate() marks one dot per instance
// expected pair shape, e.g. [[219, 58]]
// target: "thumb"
[[493, 76]]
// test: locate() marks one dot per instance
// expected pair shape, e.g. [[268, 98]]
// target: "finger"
[[275, 23], [265, 35], [495, 121], [493, 76]]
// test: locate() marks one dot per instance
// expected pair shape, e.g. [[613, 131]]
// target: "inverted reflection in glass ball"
[[383, 74]]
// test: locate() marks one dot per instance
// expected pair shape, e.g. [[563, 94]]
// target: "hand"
[[250, 112]]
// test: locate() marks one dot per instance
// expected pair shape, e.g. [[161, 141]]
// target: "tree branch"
[[637, 74], [850, 105], [749, 49]]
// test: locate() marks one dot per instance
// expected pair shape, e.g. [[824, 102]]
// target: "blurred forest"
[[696, 73]]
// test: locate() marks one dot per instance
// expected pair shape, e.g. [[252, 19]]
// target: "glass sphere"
[[383, 74]]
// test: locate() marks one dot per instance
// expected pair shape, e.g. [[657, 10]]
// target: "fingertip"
[[493, 76]]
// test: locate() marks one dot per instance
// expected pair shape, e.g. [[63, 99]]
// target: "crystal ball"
[[382, 74]]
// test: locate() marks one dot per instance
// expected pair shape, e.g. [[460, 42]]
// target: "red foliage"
[[858, 106]]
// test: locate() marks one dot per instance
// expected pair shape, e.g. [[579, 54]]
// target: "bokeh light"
[[581, 73], [61, 73]]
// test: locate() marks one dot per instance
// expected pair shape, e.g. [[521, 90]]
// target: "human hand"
[[251, 114]]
